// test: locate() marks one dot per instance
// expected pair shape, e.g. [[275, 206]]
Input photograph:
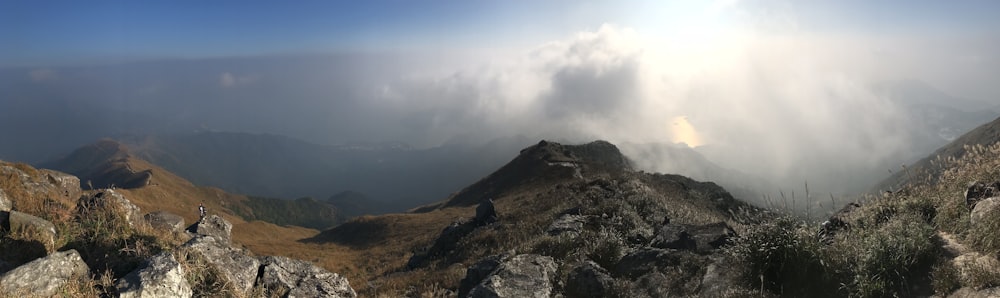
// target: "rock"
[[108, 198], [5, 203], [589, 280], [42, 277], [479, 271], [23, 221], [836, 223], [486, 213], [978, 191], [165, 220], [973, 293], [983, 209], [444, 243], [646, 260], [285, 277], [67, 185], [520, 276], [239, 268], [719, 277], [160, 276], [567, 223], [653, 284], [214, 226], [701, 238]]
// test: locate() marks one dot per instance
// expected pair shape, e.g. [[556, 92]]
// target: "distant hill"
[[276, 166], [926, 168], [109, 164]]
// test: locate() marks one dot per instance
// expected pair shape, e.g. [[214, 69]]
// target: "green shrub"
[[883, 261], [782, 256]]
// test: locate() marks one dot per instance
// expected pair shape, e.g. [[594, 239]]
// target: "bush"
[[782, 256], [883, 261]]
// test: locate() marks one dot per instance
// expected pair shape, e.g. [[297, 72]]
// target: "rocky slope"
[[570, 220], [100, 244]]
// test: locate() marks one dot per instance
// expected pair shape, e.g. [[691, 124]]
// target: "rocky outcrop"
[[570, 224], [699, 238], [978, 191], [520, 276], [103, 199], [165, 221], [486, 213], [589, 280], [647, 260], [160, 276], [5, 203], [67, 185], [983, 208], [44, 229], [478, 272], [285, 277], [239, 268], [213, 226], [42, 277]]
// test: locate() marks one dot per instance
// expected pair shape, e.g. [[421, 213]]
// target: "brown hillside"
[[929, 169]]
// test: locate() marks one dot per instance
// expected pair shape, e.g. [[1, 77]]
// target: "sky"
[[798, 90]]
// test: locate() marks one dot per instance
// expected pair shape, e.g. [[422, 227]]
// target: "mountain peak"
[[543, 163]]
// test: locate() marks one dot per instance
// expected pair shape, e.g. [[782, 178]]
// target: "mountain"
[[110, 164], [282, 167], [929, 168], [58, 239], [571, 206]]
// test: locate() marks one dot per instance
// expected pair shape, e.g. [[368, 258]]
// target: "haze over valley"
[[362, 129]]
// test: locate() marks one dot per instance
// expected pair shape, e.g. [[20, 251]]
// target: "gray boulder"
[[978, 191], [160, 276], [520, 276], [589, 280], [213, 226], [165, 221], [285, 277], [479, 271], [983, 208], [647, 260], [486, 213], [66, 185], [42, 277], [108, 198], [23, 221], [5, 203], [239, 268], [567, 223], [719, 277], [700, 238]]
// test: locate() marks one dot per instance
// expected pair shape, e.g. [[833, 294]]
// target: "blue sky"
[[46, 33]]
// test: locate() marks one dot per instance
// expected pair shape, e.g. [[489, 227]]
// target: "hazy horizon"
[[786, 90]]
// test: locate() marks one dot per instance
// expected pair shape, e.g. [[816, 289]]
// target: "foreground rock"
[[699, 238], [285, 277], [5, 203], [520, 276], [239, 268], [42, 277], [589, 280], [160, 276], [105, 199], [43, 229], [165, 221]]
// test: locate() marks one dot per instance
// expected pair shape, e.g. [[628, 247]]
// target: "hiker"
[[201, 211]]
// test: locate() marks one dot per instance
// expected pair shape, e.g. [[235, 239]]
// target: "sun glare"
[[683, 132]]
